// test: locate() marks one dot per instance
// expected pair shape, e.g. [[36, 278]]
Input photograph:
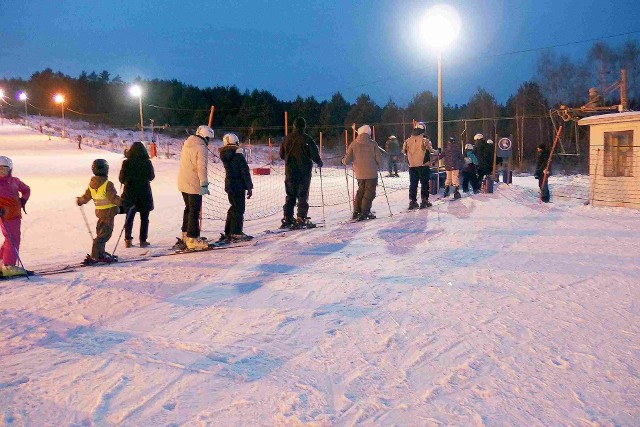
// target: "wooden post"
[[353, 128], [623, 89], [545, 173], [270, 152], [286, 123], [346, 141], [373, 133], [211, 116], [320, 144]]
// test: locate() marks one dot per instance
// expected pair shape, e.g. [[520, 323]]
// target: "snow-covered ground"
[[492, 310]]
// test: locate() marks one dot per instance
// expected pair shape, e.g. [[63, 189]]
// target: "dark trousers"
[[470, 176], [365, 195], [393, 165], [483, 172], [144, 224], [419, 174], [191, 214], [235, 214], [104, 230], [297, 188], [545, 196]]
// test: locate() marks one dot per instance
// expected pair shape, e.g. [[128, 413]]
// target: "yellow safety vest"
[[99, 196]]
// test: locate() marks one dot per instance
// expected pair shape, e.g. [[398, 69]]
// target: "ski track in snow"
[[490, 310]]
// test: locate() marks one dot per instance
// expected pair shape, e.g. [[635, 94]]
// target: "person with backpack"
[[193, 183], [484, 152], [136, 175], [418, 150], [237, 184], [392, 147], [453, 162], [299, 151], [470, 170], [365, 155]]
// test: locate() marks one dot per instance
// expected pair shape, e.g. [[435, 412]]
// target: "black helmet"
[[100, 167], [300, 123]]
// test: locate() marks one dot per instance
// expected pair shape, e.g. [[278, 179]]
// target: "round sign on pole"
[[504, 147]]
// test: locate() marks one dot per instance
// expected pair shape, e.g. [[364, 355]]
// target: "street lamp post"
[[137, 91], [1, 107], [59, 99], [441, 28], [23, 97]]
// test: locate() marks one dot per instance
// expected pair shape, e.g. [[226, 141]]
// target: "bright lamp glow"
[[135, 91], [1, 94], [59, 99], [22, 96], [441, 26]]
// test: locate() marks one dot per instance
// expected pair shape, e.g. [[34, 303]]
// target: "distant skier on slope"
[[13, 196], [299, 151], [392, 147], [237, 181], [453, 162], [107, 203], [418, 150], [193, 183], [365, 155], [542, 173]]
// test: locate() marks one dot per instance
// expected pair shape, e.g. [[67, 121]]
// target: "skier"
[[365, 155], [470, 170], [136, 174], [79, 138], [452, 163], [484, 152], [107, 203], [298, 151], [13, 196], [236, 182], [392, 147], [418, 150], [542, 173], [193, 184]]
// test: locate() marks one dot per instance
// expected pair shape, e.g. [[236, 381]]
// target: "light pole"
[[23, 97], [136, 90], [442, 25], [59, 99]]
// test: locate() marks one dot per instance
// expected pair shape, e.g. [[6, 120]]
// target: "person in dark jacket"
[[470, 170], [237, 181], [453, 162], [136, 174], [542, 173], [392, 147], [299, 151], [484, 153]]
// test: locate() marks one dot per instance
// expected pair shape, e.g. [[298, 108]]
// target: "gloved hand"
[[249, 193], [23, 202], [536, 177], [1, 212], [320, 163], [204, 189], [78, 202]]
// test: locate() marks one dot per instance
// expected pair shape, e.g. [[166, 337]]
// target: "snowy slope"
[[492, 310]]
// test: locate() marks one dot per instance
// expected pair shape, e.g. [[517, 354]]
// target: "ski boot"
[[144, 243], [287, 222], [128, 243], [456, 193], [355, 215], [413, 205], [425, 203], [13, 270], [446, 191], [304, 223], [224, 238], [196, 243], [365, 217], [241, 237]]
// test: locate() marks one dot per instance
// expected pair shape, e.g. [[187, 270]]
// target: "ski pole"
[[324, 218], [86, 221], [346, 177], [15, 249], [126, 218], [385, 192]]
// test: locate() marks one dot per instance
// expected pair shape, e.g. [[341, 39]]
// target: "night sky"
[[307, 48]]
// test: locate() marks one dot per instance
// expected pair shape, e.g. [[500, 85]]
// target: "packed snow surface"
[[490, 310]]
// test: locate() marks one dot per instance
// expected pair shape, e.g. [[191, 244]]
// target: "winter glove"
[[78, 201], [249, 193], [320, 163], [23, 202], [536, 177], [1, 212], [204, 189]]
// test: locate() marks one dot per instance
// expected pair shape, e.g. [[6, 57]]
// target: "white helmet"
[[478, 136], [420, 125], [364, 129], [5, 161], [468, 147], [392, 137], [230, 139], [489, 141], [205, 132]]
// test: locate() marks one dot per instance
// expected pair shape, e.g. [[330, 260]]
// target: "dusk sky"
[[307, 48]]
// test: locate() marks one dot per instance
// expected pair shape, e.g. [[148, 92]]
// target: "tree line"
[[258, 114]]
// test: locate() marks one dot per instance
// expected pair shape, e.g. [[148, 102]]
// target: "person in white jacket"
[[418, 150], [193, 184]]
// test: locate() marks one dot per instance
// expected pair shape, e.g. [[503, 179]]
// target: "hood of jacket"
[[137, 151], [227, 152]]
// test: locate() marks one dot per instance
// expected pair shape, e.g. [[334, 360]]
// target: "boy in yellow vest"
[[107, 202]]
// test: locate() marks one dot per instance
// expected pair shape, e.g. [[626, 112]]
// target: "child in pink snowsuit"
[[13, 196]]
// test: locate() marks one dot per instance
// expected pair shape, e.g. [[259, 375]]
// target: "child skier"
[[236, 182], [470, 170], [13, 196], [107, 203]]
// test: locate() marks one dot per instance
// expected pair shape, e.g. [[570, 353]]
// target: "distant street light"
[[59, 99], [136, 90], [23, 97], [441, 27], [1, 107]]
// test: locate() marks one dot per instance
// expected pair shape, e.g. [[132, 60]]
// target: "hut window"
[[618, 153]]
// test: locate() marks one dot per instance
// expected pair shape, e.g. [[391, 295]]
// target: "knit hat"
[[364, 129], [299, 123]]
